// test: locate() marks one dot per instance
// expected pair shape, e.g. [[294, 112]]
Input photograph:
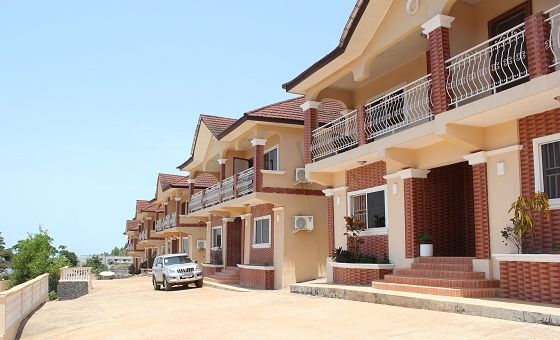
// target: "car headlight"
[[197, 268]]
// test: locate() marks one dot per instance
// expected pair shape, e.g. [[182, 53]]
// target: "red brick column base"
[[330, 223], [481, 224], [439, 53], [358, 276], [310, 123], [414, 202], [531, 281], [537, 32], [256, 278]]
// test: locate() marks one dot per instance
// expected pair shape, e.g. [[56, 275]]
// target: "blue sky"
[[98, 97]]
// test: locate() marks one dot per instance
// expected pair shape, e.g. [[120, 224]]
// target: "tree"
[[69, 255], [97, 266], [118, 251], [35, 256], [5, 256]]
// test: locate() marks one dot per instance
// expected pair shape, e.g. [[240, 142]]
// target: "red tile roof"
[[216, 124], [152, 207], [290, 109], [141, 204], [205, 180], [132, 225]]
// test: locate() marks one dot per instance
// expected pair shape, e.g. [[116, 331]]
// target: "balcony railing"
[[228, 189], [143, 236], [489, 66], [337, 136], [553, 42], [169, 221], [401, 108]]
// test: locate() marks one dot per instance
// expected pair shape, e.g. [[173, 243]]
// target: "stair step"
[[222, 281], [442, 266], [446, 260], [441, 291], [441, 282], [448, 274]]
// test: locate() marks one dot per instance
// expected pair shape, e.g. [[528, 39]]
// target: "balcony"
[[487, 68], [169, 221], [143, 236], [226, 190]]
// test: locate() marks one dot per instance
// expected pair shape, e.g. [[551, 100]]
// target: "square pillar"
[[258, 163], [480, 194], [191, 186], [245, 236], [361, 124], [537, 33], [310, 123], [329, 193], [414, 182], [437, 30], [177, 210], [222, 163]]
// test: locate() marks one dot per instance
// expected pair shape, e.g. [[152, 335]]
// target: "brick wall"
[[367, 176], [531, 281], [481, 224], [361, 277], [209, 271], [330, 224], [310, 123], [258, 165], [262, 256], [377, 245], [439, 53], [537, 33], [538, 125], [233, 241], [414, 210], [256, 278]]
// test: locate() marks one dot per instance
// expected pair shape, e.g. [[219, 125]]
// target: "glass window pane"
[[271, 160], [359, 208], [376, 209], [258, 232], [265, 231], [551, 169]]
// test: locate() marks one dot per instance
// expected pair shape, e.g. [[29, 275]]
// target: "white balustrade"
[[488, 66], [173, 220], [245, 182], [212, 196], [228, 191], [76, 274], [195, 203], [553, 42], [336, 136], [401, 108]]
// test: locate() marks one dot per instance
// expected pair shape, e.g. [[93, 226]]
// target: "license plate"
[[186, 277]]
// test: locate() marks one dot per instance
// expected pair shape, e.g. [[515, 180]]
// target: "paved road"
[[130, 309]]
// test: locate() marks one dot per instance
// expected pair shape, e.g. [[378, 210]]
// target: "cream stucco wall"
[[396, 223]]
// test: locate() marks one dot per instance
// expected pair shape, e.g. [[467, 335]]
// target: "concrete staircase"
[[228, 276], [445, 276]]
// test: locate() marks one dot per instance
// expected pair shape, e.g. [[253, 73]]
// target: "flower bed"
[[361, 274], [258, 277], [530, 277], [211, 269]]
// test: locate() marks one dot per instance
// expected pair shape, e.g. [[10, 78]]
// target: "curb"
[[225, 287]]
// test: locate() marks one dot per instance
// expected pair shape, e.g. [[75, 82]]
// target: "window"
[[369, 207], [262, 231], [271, 159], [546, 152], [185, 246], [184, 208], [217, 237]]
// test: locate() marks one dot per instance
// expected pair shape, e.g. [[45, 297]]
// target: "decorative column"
[[437, 30], [480, 194], [361, 124], [537, 33], [246, 221], [165, 203], [414, 181], [329, 193], [310, 123], [258, 163], [191, 183], [177, 210], [222, 163]]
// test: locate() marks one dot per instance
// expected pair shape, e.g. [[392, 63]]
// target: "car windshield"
[[169, 261]]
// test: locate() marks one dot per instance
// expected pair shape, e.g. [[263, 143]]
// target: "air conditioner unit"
[[303, 223], [300, 175], [201, 244]]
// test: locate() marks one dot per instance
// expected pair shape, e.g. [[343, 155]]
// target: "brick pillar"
[[191, 187], [310, 122], [480, 204], [437, 30], [414, 181], [177, 209], [537, 33], [165, 208], [222, 163], [258, 163], [361, 124], [330, 223]]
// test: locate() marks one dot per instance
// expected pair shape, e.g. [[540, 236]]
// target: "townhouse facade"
[[452, 113]]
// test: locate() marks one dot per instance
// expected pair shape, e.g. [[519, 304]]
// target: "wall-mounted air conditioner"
[[303, 223]]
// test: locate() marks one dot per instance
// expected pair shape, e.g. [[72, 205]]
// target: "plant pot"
[[426, 250]]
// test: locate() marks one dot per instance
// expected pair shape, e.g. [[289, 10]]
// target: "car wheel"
[[154, 282], [199, 283], [166, 285]]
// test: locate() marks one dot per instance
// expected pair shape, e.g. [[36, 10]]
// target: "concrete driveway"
[[131, 309]]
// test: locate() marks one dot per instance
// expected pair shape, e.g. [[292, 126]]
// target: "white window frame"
[[370, 231], [277, 147], [261, 218], [537, 163], [221, 239]]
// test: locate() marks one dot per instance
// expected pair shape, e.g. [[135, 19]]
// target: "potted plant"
[[426, 246], [525, 210]]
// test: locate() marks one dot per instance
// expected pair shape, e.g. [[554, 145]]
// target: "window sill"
[[554, 204], [375, 231], [261, 245], [273, 172]]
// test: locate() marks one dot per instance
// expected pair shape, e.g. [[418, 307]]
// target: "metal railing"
[[402, 107], [336, 136], [211, 196], [159, 225], [488, 66], [553, 42], [245, 183], [143, 235], [228, 190], [195, 202]]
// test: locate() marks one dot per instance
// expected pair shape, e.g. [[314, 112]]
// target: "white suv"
[[175, 269]]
